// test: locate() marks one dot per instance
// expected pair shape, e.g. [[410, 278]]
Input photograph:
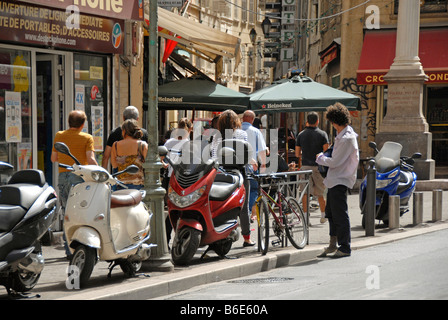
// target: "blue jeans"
[[253, 193], [66, 181]]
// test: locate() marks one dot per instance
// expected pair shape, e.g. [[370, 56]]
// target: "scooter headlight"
[[182, 201], [100, 176], [382, 183]]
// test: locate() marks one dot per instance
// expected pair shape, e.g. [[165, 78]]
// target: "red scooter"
[[205, 198]]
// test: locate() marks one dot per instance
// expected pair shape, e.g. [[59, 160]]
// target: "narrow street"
[[402, 270]]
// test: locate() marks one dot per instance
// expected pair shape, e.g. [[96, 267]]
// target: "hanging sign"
[[23, 23], [131, 10]]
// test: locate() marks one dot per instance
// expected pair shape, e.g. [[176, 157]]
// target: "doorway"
[[50, 97]]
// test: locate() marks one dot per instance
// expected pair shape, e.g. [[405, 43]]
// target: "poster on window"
[[24, 156], [13, 120], [80, 97], [97, 127]]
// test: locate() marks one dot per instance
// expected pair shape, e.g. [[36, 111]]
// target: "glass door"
[[50, 94]]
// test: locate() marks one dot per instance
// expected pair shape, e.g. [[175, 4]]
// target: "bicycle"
[[290, 219]]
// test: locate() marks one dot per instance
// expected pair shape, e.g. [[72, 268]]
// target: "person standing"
[[230, 123], [310, 142], [80, 145], [341, 176], [179, 137], [130, 151], [130, 112], [256, 141]]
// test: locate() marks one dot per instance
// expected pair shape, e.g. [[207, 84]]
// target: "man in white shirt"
[[341, 176], [256, 141]]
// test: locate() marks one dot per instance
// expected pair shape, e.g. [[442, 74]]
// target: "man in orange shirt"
[[80, 145]]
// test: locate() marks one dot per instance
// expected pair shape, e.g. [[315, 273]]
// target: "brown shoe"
[[327, 251], [340, 254]]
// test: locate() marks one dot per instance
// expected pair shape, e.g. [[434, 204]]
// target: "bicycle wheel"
[[295, 223], [263, 226]]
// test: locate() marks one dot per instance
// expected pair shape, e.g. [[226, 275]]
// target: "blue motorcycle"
[[394, 176]]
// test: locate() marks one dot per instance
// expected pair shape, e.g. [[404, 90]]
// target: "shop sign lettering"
[[378, 78], [56, 28], [133, 10]]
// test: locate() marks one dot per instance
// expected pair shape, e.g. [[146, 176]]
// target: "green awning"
[[300, 94], [200, 94]]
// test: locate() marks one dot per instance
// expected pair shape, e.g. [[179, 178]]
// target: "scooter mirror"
[[372, 144], [62, 148], [132, 169], [416, 155], [163, 151]]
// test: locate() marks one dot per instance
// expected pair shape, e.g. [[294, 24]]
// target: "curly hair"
[[338, 114]]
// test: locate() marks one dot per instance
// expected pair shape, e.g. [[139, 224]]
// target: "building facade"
[[354, 50], [56, 56]]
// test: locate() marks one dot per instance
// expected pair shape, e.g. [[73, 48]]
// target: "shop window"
[[15, 108], [91, 95], [437, 117]]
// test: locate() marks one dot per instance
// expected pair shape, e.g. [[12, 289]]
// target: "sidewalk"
[[241, 262]]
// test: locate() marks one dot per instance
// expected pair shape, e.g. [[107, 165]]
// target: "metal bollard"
[[437, 205], [417, 217], [370, 202], [394, 212]]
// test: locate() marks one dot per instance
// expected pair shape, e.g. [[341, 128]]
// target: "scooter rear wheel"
[[83, 259], [185, 245], [22, 280], [222, 247]]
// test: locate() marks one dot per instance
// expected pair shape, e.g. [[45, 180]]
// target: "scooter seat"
[[223, 186], [9, 216], [125, 198], [15, 200], [20, 194]]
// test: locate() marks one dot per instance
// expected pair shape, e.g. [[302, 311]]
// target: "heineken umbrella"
[[300, 94], [200, 94]]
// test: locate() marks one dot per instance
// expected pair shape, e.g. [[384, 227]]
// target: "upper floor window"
[[428, 6]]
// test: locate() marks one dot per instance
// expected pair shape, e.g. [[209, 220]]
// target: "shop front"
[[377, 56], [55, 58]]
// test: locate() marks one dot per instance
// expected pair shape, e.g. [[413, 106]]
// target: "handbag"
[[324, 169]]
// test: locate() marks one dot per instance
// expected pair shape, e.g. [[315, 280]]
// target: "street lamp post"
[[154, 192], [266, 25]]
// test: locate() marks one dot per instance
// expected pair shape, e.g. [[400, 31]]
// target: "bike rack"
[[297, 185]]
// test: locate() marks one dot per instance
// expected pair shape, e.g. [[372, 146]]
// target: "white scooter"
[[105, 225]]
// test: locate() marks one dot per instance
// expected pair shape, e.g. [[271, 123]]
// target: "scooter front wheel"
[[83, 260], [185, 245]]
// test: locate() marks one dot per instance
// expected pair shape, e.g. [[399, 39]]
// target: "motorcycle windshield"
[[389, 157], [193, 159]]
